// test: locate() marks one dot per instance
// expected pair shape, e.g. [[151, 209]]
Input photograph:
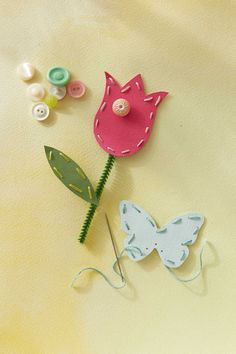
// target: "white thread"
[[148, 99], [140, 143], [158, 101], [103, 106], [108, 90], [125, 89], [138, 86], [125, 151], [151, 115], [147, 130], [109, 148], [99, 137], [97, 122]]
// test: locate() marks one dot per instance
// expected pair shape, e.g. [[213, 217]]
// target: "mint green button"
[[58, 76]]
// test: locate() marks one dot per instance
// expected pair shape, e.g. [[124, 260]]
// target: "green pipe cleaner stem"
[[99, 190]]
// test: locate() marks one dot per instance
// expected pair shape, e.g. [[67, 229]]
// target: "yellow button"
[[51, 101]]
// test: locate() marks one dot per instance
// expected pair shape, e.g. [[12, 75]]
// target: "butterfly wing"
[[140, 228], [175, 237]]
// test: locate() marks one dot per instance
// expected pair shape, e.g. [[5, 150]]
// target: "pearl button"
[[36, 92], [121, 107], [25, 71], [58, 92], [40, 111]]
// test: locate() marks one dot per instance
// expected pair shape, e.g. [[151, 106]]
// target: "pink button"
[[76, 89]]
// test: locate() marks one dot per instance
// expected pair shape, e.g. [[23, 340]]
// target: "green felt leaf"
[[71, 174]]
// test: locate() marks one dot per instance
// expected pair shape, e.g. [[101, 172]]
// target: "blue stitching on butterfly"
[[177, 221]]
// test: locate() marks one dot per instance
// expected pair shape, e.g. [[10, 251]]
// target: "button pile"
[[59, 78]]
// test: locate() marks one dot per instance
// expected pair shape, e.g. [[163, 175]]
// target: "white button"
[[26, 71], [36, 92], [40, 111], [58, 92]]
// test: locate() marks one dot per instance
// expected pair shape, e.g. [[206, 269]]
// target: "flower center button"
[[121, 107]]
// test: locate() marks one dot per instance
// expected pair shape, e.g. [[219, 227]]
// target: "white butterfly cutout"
[[170, 241]]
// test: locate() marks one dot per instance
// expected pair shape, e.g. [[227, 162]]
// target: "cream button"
[[58, 92], [121, 107], [40, 111], [36, 92], [25, 71]]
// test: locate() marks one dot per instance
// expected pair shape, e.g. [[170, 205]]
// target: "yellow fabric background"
[[185, 47]]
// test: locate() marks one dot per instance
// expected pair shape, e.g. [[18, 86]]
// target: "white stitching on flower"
[[148, 99], [140, 143], [125, 89], [138, 86], [158, 100], [103, 106], [99, 137]]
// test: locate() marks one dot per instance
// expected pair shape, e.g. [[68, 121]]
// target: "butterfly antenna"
[[114, 247]]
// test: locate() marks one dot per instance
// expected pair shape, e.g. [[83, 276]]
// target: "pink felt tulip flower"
[[125, 118]]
